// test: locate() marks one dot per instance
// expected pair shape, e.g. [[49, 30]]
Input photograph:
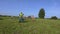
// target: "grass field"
[[39, 26]]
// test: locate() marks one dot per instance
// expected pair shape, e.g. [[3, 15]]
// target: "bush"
[[54, 17]]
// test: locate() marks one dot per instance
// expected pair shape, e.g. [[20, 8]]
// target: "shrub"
[[54, 17]]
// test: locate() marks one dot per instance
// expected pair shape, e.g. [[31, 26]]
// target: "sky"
[[30, 7]]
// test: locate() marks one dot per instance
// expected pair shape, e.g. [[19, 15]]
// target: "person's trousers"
[[21, 19]]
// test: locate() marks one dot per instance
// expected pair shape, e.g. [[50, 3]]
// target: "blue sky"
[[30, 7]]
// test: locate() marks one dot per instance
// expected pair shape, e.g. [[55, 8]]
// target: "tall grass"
[[39, 26]]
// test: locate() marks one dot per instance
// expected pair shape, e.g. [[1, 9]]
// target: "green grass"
[[39, 26]]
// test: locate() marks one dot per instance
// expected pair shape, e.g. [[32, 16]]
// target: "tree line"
[[41, 15]]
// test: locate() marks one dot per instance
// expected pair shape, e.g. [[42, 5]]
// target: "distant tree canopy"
[[29, 16], [54, 17], [41, 13], [4, 16]]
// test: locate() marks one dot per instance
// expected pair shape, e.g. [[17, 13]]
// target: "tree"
[[41, 13], [54, 17], [29, 17]]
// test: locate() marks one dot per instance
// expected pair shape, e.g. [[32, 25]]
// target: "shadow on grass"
[[24, 22], [1, 18]]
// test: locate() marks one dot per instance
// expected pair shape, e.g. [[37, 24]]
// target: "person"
[[21, 19], [33, 18]]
